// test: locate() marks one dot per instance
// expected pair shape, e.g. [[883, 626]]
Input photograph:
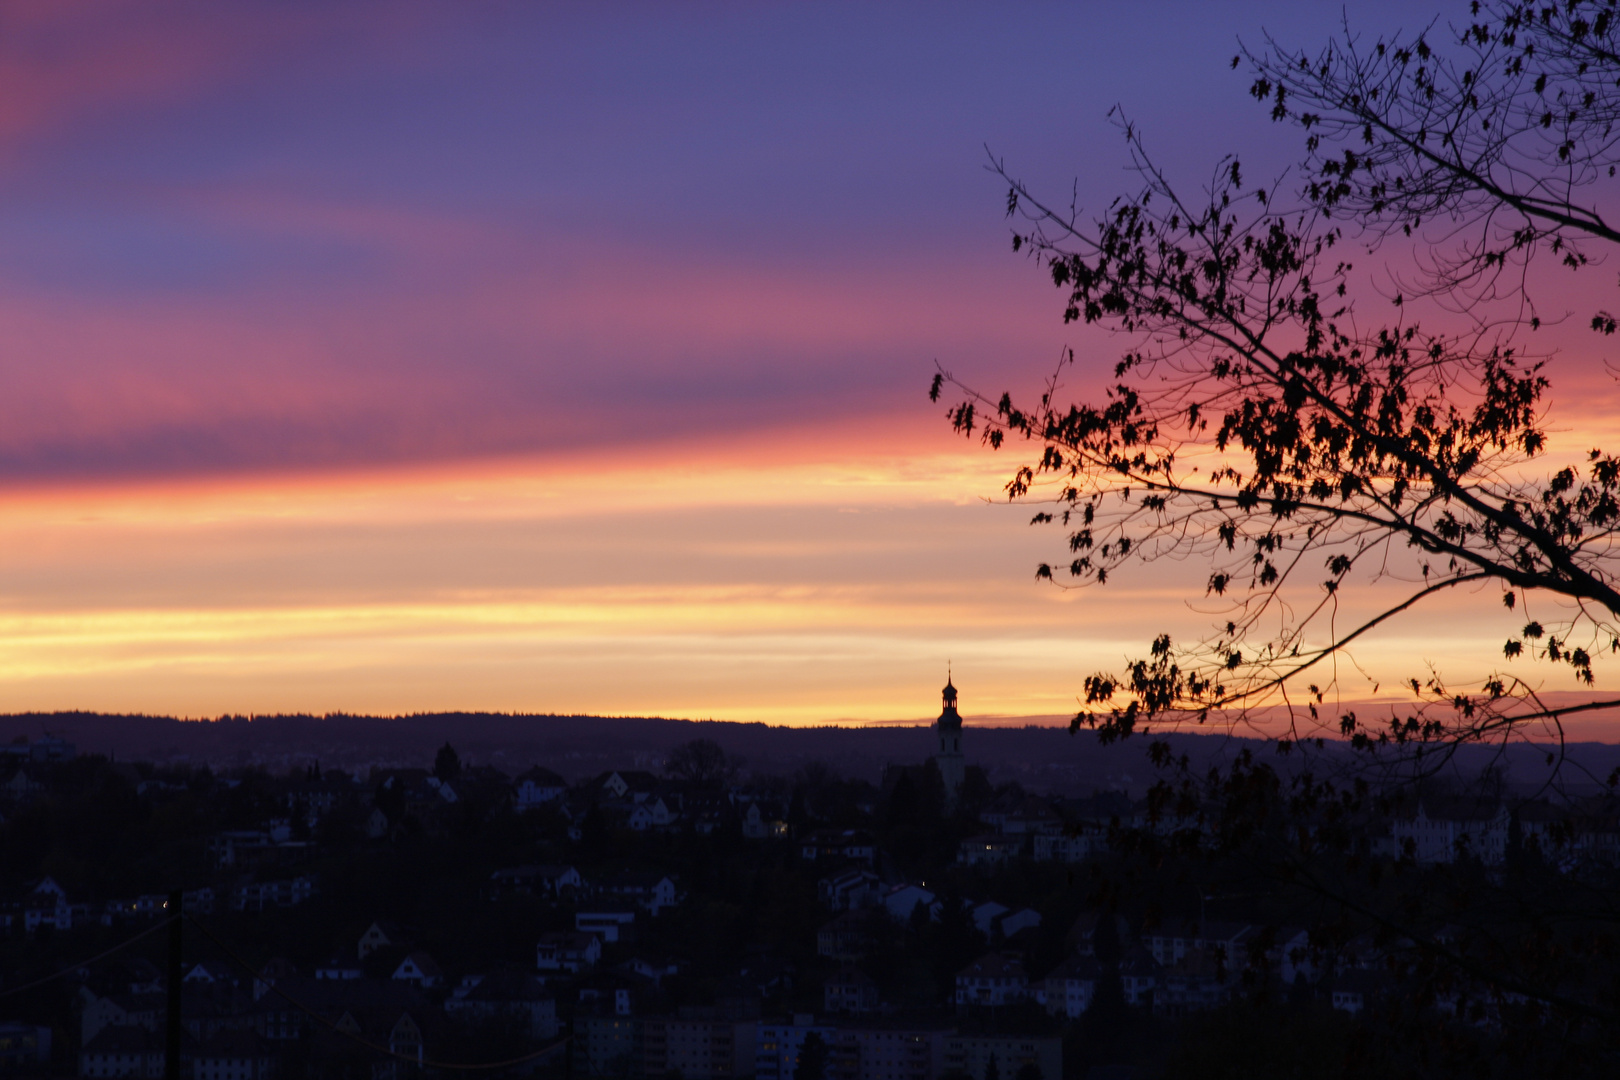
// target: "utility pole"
[[171, 1047]]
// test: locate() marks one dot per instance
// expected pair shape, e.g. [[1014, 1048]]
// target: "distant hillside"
[[1044, 759]]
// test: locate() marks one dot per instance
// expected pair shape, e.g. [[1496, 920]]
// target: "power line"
[[331, 1025], [86, 963]]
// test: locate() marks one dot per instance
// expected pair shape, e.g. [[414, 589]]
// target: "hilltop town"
[[694, 921]]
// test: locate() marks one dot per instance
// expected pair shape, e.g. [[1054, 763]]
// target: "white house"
[[537, 787], [849, 889], [762, 822], [653, 813], [47, 905], [1072, 986], [993, 979], [420, 969], [1441, 832], [902, 900], [653, 891]]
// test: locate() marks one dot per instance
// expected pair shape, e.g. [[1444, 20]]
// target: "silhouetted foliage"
[[701, 761], [812, 1059], [447, 763]]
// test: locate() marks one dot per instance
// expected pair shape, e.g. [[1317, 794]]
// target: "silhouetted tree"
[[812, 1058], [701, 761], [447, 763], [1257, 422]]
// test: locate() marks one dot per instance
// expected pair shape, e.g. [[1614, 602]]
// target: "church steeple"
[[949, 730]]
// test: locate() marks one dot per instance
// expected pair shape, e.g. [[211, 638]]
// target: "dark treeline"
[[1047, 759]]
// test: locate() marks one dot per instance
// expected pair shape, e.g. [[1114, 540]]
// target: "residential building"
[[851, 888], [606, 1045], [846, 937], [990, 849], [1073, 845], [852, 845], [876, 1050], [537, 787], [697, 1048], [421, 969], [232, 1055], [509, 994], [559, 951], [902, 900], [1442, 830], [779, 1042], [850, 991], [650, 890], [610, 921], [971, 1054], [1071, 987], [24, 1047], [553, 881], [382, 934], [122, 1051], [994, 979]]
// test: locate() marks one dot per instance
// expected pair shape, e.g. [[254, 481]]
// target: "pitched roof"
[[424, 963]]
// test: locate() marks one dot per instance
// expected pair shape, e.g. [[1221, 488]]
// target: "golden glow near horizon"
[[779, 582]]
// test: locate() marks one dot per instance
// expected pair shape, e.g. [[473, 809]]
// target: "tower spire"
[[949, 732]]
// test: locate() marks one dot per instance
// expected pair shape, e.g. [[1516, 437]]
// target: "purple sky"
[[244, 236]]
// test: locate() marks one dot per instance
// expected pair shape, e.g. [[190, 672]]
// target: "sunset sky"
[[391, 357]]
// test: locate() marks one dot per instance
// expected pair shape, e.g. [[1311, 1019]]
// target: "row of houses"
[[1432, 830], [231, 1033], [631, 799], [46, 906], [698, 1045], [1183, 966], [650, 890], [236, 1030]]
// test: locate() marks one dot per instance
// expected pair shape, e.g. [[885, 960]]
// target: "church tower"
[[949, 758]]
